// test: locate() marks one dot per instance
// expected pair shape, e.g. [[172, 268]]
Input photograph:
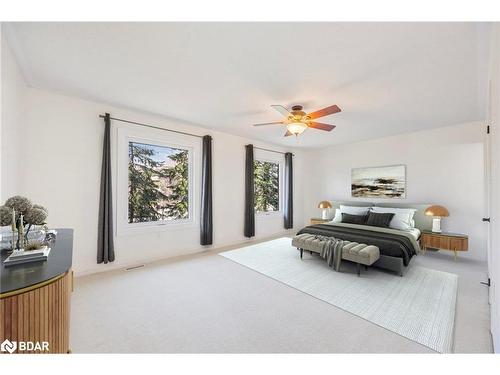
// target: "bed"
[[397, 247]]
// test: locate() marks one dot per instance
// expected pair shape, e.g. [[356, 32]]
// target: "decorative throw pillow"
[[379, 220], [352, 210], [353, 219], [402, 219]]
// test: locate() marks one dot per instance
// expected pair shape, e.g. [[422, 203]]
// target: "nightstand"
[[316, 220], [444, 241]]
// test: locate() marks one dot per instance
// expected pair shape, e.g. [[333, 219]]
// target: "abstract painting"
[[379, 182]]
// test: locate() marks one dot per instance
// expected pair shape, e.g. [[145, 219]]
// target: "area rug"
[[419, 306]]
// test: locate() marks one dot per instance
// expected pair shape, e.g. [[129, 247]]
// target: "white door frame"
[[493, 182], [488, 183]]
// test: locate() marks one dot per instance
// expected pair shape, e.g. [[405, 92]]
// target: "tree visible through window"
[[158, 183], [266, 180]]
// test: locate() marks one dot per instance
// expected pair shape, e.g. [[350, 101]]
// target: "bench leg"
[[366, 267], [310, 252], [301, 252], [358, 268]]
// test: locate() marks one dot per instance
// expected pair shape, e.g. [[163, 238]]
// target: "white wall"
[[443, 166], [62, 172], [12, 99]]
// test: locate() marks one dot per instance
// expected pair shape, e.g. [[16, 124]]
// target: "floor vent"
[[134, 267]]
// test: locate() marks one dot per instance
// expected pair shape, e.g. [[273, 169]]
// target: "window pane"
[[266, 177], [157, 183]]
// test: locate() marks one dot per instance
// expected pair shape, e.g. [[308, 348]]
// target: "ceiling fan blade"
[[270, 123], [285, 112], [320, 126], [288, 133], [324, 112]]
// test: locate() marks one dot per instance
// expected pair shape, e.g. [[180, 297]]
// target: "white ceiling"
[[388, 78]]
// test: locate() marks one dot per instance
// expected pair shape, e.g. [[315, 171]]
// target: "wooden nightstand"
[[316, 220], [444, 241]]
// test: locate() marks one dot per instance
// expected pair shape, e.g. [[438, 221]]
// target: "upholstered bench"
[[358, 253]]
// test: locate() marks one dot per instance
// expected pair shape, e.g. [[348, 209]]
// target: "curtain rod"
[[151, 126], [265, 149], [177, 131]]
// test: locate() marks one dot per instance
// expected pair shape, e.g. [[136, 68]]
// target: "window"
[[158, 183], [267, 186]]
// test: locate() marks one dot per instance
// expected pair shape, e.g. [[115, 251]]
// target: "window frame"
[[265, 156], [161, 139]]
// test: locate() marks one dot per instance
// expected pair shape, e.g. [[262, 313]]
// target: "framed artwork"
[[379, 182]]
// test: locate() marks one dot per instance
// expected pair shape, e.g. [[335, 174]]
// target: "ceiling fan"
[[297, 120]]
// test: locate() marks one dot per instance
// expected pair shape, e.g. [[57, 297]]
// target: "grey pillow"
[[379, 220], [353, 219]]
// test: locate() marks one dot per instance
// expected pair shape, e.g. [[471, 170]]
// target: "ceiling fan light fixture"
[[297, 121], [296, 128]]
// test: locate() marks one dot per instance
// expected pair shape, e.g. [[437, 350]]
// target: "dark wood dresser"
[[35, 300]]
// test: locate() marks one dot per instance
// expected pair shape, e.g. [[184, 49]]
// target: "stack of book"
[[20, 256]]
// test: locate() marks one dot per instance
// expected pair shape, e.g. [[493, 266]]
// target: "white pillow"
[[403, 217], [354, 210], [338, 216]]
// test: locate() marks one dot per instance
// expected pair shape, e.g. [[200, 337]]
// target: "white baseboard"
[[122, 266], [495, 328]]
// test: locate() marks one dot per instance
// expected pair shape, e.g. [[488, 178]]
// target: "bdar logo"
[[8, 346]]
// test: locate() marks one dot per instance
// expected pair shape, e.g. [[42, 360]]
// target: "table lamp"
[[325, 206], [438, 212]]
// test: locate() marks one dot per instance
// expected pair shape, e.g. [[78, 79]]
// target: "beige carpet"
[[206, 303], [419, 306]]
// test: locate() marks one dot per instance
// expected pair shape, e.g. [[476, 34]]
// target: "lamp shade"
[[296, 128], [437, 210], [324, 204]]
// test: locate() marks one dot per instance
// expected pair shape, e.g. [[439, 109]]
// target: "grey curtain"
[[206, 225], [288, 193], [105, 246], [249, 229]]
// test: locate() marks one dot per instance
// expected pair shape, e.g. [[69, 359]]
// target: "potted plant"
[[19, 208]]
